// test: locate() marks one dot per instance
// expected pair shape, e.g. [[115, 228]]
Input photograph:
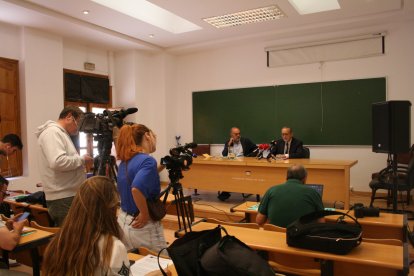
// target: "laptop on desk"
[[316, 187]]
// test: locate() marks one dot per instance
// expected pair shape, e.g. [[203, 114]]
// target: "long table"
[[31, 241], [250, 175], [366, 259], [386, 226]]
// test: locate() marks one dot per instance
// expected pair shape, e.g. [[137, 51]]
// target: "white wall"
[[244, 65], [75, 55], [41, 87], [141, 82], [10, 41]]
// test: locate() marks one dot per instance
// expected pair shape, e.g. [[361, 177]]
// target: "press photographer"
[[61, 168], [139, 187]]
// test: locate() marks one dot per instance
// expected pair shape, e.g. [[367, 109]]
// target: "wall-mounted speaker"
[[391, 126]]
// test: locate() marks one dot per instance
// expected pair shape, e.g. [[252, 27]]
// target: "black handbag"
[[156, 209], [232, 257], [338, 238], [185, 252]]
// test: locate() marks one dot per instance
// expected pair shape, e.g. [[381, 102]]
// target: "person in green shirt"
[[283, 204]]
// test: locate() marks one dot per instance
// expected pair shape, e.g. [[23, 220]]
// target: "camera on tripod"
[[361, 211], [102, 123], [101, 126], [180, 158]]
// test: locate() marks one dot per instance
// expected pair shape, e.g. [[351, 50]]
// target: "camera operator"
[[138, 180], [62, 170]]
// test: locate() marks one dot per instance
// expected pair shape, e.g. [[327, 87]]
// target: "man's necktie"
[[287, 148]]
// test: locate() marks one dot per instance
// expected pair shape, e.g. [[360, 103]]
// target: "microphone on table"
[[262, 148]]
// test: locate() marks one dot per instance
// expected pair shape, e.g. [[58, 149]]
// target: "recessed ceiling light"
[[246, 17], [85, 12], [151, 35], [151, 14], [314, 6]]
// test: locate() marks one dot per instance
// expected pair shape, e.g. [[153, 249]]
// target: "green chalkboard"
[[322, 113]]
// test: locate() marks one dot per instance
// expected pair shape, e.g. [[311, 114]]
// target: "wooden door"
[[9, 113]]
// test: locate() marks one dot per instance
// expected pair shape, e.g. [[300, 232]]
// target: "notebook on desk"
[[316, 187]]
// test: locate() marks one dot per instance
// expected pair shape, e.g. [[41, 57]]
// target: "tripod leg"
[[186, 207]]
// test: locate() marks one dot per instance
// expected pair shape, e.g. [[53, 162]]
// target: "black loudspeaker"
[[391, 126]]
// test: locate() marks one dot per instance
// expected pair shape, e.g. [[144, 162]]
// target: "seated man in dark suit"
[[240, 146], [288, 146], [283, 204]]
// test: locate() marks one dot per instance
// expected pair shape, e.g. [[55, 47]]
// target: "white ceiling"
[[113, 30]]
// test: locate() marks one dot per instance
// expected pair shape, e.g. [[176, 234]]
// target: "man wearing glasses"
[[61, 168]]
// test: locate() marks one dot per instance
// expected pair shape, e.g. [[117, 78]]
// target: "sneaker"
[[223, 196]]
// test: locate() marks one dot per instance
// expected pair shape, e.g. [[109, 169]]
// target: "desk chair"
[[306, 152], [200, 150], [384, 181], [238, 224], [42, 217]]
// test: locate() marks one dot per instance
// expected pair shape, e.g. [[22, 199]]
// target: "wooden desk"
[[366, 259], [249, 175], [38, 213], [31, 242], [386, 226]]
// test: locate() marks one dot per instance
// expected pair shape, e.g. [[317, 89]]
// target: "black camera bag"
[[338, 238]]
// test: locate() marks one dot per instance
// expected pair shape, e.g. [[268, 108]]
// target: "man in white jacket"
[[61, 168]]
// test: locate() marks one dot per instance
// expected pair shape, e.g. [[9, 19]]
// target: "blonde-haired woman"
[[138, 180], [89, 242]]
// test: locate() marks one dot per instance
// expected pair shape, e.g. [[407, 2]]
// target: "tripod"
[[105, 164], [183, 204]]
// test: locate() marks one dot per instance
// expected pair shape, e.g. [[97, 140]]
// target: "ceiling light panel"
[[314, 6], [151, 14], [246, 17]]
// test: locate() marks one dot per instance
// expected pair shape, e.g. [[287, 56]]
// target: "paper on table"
[[254, 207], [148, 264]]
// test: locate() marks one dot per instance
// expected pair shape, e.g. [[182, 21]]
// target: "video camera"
[[105, 122], [180, 158], [361, 211]]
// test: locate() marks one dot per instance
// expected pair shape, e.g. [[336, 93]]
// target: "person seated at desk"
[[238, 146], [283, 204], [288, 146], [10, 233], [89, 242]]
